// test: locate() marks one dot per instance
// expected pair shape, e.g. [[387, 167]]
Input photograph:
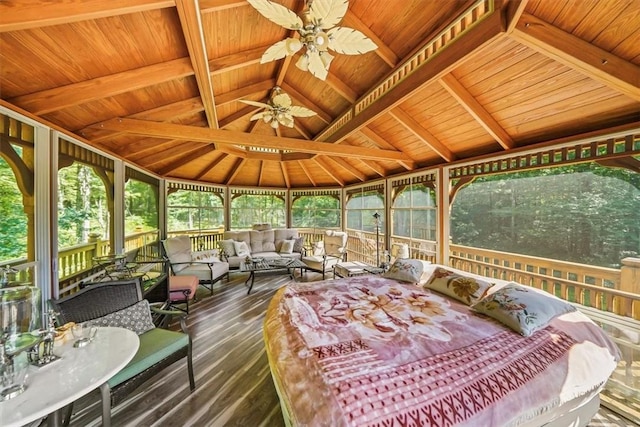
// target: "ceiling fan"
[[278, 110], [317, 32]]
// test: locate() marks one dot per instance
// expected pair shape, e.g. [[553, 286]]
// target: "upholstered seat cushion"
[[155, 345], [181, 287], [204, 271]]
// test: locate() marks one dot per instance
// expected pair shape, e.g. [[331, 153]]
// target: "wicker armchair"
[[99, 299]]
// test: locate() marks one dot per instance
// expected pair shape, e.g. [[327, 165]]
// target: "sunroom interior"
[[124, 124]]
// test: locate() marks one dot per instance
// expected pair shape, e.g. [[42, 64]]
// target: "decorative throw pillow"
[[226, 247], [241, 249], [406, 270], [298, 244], [523, 309], [287, 247], [136, 318], [466, 289]]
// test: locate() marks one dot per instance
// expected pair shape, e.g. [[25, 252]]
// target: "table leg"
[[105, 392], [55, 419], [252, 277]]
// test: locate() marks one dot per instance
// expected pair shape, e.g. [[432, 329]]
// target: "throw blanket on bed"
[[384, 353]]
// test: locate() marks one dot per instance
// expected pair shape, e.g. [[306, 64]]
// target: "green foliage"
[[322, 211], [13, 220], [141, 206], [580, 213], [194, 210]]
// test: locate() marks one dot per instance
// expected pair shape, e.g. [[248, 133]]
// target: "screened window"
[[194, 211], [361, 207], [249, 209], [583, 213], [141, 206], [311, 211], [414, 212]]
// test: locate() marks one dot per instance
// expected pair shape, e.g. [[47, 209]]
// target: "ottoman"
[[182, 289]]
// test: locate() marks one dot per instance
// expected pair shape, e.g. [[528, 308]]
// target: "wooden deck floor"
[[233, 382]]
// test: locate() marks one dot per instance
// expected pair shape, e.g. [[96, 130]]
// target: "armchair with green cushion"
[[206, 265], [120, 303], [327, 253]]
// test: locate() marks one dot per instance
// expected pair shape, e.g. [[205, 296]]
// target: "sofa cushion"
[[136, 318], [262, 241], [282, 234], [179, 250], [287, 246], [241, 249], [227, 248]]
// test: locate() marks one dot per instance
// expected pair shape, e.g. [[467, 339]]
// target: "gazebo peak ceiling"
[[160, 83]]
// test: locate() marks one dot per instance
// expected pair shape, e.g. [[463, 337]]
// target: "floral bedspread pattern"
[[377, 352]]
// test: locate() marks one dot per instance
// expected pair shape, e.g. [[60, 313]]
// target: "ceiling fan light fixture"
[[317, 26], [278, 110], [293, 45]]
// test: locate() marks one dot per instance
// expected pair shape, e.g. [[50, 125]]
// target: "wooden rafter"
[[307, 173], [375, 139], [598, 64], [477, 111], [35, 14], [211, 165], [185, 159], [194, 133], [347, 167], [321, 161], [383, 51], [244, 92], [58, 98], [423, 134], [236, 60], [189, 14], [482, 35]]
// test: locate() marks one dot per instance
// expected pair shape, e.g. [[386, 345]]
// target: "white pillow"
[[241, 249], [287, 246]]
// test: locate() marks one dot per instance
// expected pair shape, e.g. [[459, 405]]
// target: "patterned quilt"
[[370, 351]]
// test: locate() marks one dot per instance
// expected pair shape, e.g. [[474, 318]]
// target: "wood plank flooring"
[[233, 382]]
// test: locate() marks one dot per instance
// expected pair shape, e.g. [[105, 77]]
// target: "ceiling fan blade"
[[298, 111], [255, 103], [257, 116], [328, 13], [277, 51], [287, 121], [282, 100], [316, 66], [303, 62], [277, 14], [349, 41]]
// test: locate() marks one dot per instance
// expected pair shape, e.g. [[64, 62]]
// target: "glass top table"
[[270, 265]]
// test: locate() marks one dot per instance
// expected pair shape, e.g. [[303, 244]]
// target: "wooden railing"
[[591, 286]]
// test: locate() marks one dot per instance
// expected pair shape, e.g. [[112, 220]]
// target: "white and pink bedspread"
[[370, 351]]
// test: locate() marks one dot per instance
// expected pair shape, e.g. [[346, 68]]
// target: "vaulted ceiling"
[[159, 83]]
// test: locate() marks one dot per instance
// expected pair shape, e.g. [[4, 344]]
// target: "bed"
[[433, 348]]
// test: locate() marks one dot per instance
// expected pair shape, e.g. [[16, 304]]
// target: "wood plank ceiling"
[[158, 83]]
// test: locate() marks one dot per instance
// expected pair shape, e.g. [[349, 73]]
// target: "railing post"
[[630, 281]]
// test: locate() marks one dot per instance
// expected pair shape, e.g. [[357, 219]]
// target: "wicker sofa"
[[271, 243]]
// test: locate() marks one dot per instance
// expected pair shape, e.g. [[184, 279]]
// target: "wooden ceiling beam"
[[423, 134], [235, 170], [343, 89], [42, 13], [210, 6], [219, 136], [612, 71], [347, 167], [146, 148], [243, 92], [191, 22], [237, 60], [238, 115], [383, 51], [477, 111], [321, 161], [164, 113], [375, 167], [211, 165], [307, 173], [483, 34], [174, 150], [186, 159], [49, 100], [295, 94], [285, 174], [377, 140]]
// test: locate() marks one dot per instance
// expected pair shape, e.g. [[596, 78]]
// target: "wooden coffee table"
[[274, 266]]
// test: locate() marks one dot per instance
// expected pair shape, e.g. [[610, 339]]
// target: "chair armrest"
[[164, 316]]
